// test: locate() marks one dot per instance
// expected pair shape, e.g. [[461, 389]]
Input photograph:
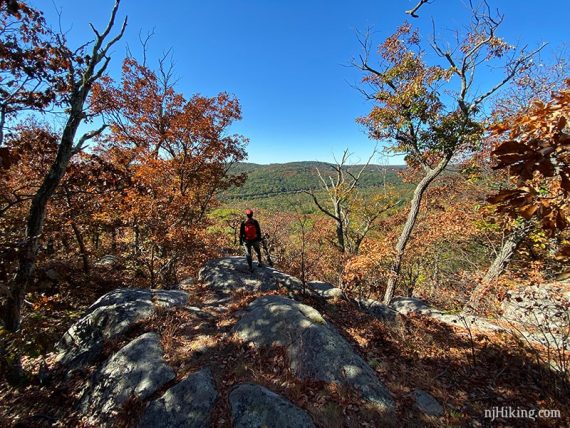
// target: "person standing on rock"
[[250, 236]]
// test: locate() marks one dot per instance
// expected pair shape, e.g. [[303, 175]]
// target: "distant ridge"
[[291, 177]]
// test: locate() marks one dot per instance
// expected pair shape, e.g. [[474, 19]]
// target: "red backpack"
[[250, 230]]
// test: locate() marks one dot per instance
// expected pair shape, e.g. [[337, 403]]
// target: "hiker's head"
[[249, 213]]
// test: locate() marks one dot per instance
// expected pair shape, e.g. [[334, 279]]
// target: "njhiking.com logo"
[[509, 412]]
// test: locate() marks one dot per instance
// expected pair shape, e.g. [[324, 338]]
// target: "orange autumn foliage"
[[534, 146]]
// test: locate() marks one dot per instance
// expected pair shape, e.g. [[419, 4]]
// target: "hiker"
[[250, 236]]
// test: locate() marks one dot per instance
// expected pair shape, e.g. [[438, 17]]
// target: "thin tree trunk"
[[35, 222], [409, 227], [151, 266], [77, 233], [82, 247], [2, 123], [499, 265], [340, 238], [507, 252], [95, 240], [340, 228], [137, 240]]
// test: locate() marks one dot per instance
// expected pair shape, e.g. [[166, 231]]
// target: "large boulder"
[[110, 316], [254, 406], [316, 350], [135, 371], [231, 274], [188, 404]]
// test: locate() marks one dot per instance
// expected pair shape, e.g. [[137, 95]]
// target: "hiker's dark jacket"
[[242, 231]]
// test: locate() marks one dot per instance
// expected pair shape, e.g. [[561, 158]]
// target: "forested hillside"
[[272, 179]]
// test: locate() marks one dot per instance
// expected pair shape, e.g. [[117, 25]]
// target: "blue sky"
[[288, 61]]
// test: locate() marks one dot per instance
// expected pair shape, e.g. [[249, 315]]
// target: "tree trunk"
[[95, 240], [507, 252], [151, 267], [50, 247], [36, 216], [340, 228], [137, 241], [409, 226], [82, 247], [2, 124], [499, 265]]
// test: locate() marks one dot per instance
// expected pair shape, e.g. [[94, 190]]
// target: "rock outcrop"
[[412, 305], [324, 289], [547, 306], [231, 274], [137, 370], [254, 406], [543, 314], [378, 309], [465, 321], [110, 316], [315, 349], [186, 405]]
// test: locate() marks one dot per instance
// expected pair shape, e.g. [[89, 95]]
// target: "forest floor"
[[468, 372]]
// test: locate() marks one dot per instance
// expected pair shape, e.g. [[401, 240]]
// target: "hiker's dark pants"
[[247, 245]]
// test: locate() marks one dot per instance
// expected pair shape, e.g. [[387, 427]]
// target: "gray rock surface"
[[523, 309], [413, 305], [136, 370], [121, 296], [169, 298], [426, 403], [378, 309], [545, 305], [316, 350], [108, 260], [231, 274], [188, 404], [410, 305], [324, 289], [110, 316], [465, 321], [254, 406]]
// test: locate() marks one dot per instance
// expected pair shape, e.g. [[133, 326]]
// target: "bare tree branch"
[[86, 137], [514, 69], [412, 12], [319, 206]]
